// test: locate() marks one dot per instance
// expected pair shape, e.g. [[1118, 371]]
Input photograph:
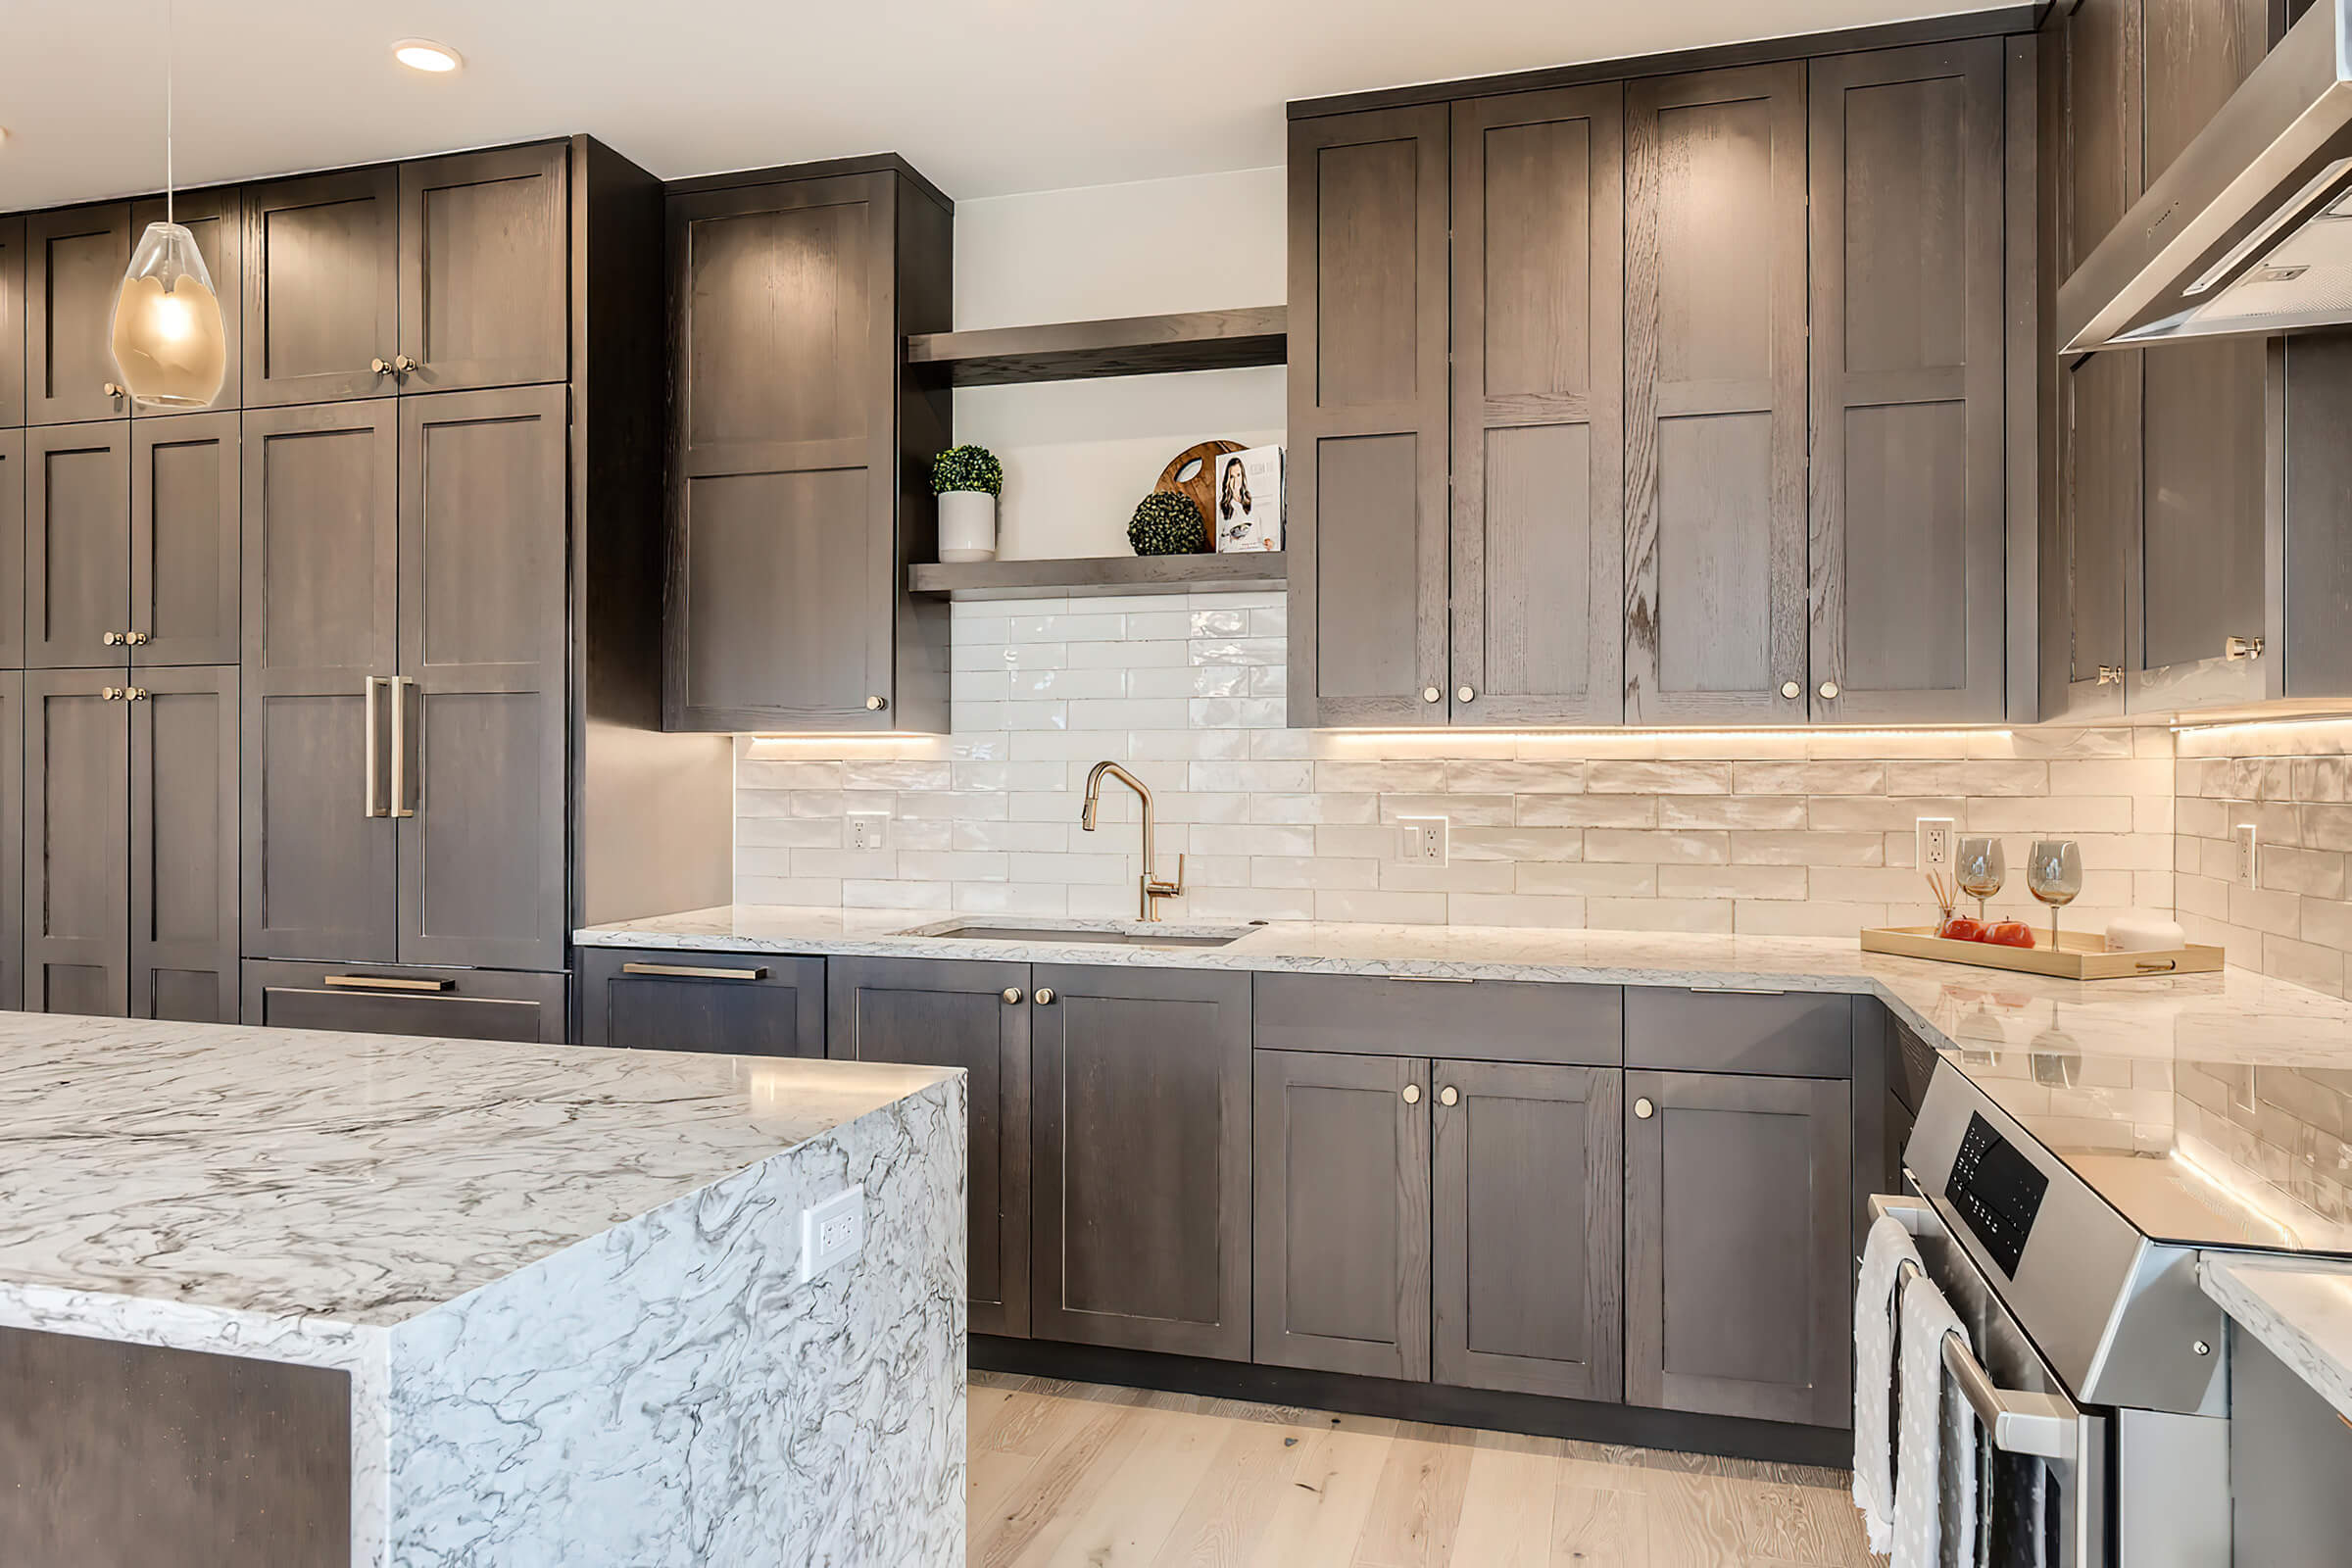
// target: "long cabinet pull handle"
[[400, 746], [384, 982], [1434, 979], [692, 971], [374, 763]]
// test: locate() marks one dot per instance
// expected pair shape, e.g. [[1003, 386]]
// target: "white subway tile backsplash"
[[1796, 831]]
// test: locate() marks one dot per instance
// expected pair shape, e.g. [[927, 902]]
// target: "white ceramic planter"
[[967, 525]]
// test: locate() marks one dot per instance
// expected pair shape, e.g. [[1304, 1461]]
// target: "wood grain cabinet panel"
[[1142, 1170], [186, 520], [12, 322], [78, 545], [382, 999], [1910, 479], [956, 1013], [76, 843], [725, 1004], [1528, 1220], [183, 845], [74, 265], [321, 287], [1539, 498], [1739, 1230], [217, 218], [13, 484], [321, 617], [485, 297], [13, 727], [1715, 397], [1368, 419], [1342, 1240]]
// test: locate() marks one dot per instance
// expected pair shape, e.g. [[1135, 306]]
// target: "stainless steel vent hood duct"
[[2249, 232]]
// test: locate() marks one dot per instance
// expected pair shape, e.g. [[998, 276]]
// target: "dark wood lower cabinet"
[[1142, 1231], [728, 1003], [1526, 1219], [1342, 1242], [1739, 1294], [375, 998], [975, 1015], [76, 843], [183, 845]]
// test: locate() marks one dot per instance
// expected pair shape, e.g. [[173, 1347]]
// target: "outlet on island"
[[832, 1232]]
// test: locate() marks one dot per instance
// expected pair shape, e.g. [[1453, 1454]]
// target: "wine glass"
[[2054, 873], [1982, 870]]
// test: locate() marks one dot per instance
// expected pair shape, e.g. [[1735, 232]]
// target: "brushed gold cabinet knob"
[[137, 693], [116, 390], [1413, 1093], [110, 693], [404, 365], [111, 639], [380, 366], [2234, 649], [1644, 1107], [135, 639], [1791, 690], [875, 704], [1829, 691], [1464, 695], [1449, 1096], [1430, 694], [1012, 996], [1045, 995]]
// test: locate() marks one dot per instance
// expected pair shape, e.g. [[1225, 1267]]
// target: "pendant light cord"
[[170, 215]]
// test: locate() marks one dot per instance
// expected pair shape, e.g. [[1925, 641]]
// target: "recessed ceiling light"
[[423, 54]]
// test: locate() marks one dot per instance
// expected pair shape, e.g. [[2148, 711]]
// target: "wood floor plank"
[[1506, 1503], [1130, 1517], [1593, 1527], [1058, 1491], [1232, 1504], [1696, 1525], [1419, 1506], [1800, 1524], [1320, 1515]]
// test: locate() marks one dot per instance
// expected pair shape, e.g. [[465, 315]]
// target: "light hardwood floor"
[[1069, 1475]]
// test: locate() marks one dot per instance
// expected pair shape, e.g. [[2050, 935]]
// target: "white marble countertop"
[[2302, 1313], [360, 1180]]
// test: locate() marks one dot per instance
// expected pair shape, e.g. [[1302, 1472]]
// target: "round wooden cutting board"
[[1203, 485]]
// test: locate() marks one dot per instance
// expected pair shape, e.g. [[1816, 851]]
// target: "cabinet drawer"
[[1779, 1034], [1467, 1020], [728, 1003], [376, 999]]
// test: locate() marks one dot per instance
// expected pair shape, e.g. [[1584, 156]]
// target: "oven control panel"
[[1997, 1192]]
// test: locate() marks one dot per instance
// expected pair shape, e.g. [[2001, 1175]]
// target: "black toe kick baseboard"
[[1733, 1437]]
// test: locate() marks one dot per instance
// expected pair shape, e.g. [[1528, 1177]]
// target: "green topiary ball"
[[1166, 524]]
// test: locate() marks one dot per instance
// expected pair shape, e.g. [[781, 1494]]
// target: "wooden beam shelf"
[[1095, 576], [1133, 345]]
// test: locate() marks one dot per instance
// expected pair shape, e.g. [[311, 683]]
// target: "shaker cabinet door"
[[1910, 474], [1342, 1233], [977, 1016], [76, 843], [484, 285], [74, 265], [723, 1003], [183, 845], [78, 545], [1368, 419], [321, 294], [185, 483], [1715, 280], [13, 484], [12, 322], [1538, 425]]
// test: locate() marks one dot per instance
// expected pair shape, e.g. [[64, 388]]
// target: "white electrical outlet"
[[831, 1232], [2249, 859], [1934, 849], [870, 831], [1424, 839]]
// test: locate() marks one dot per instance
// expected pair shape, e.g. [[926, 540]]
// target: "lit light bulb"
[[423, 54], [169, 347]]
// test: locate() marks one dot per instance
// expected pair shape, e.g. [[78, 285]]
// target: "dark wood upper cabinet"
[[724, 1004], [217, 218], [483, 286], [321, 287], [1141, 1171], [1528, 1261], [1342, 1179], [12, 320], [1738, 1232], [78, 545], [794, 431], [1909, 473], [185, 523], [1715, 282], [476, 708], [322, 640], [1539, 471], [1368, 533], [183, 845], [13, 484], [74, 265], [977, 1016], [76, 843]]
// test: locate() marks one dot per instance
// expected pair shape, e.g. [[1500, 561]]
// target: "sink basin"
[[1137, 937]]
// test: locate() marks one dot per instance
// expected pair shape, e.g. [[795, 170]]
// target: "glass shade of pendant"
[[169, 347]]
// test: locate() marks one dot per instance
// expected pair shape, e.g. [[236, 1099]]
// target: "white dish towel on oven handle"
[[1888, 1249], [1936, 1440]]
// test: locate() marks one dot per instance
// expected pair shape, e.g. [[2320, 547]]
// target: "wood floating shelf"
[[1132, 345], [1095, 576]]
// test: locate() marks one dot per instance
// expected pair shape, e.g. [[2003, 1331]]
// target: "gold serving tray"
[[2080, 957]]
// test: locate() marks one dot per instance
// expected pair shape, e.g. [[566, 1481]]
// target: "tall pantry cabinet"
[[1672, 401]]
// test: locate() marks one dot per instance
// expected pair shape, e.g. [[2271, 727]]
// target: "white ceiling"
[[988, 97]]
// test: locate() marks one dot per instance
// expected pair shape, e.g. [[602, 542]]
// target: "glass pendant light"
[[169, 347]]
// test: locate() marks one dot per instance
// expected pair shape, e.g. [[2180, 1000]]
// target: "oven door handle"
[[2040, 1425]]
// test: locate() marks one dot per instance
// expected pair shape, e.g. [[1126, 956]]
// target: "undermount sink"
[[983, 931]]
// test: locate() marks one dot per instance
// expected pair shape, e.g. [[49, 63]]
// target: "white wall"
[[1078, 455]]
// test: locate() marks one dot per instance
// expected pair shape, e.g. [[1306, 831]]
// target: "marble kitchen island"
[[470, 1303]]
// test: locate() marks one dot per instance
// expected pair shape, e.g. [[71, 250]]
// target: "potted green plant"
[[968, 481]]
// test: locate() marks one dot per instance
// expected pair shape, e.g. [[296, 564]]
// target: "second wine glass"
[[2054, 874], [1982, 868]]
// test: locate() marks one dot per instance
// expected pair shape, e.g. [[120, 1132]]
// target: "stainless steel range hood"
[[2249, 232]]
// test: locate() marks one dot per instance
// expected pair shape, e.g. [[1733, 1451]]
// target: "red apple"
[[2011, 934]]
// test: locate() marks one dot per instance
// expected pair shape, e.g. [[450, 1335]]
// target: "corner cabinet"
[[800, 441], [1554, 459]]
